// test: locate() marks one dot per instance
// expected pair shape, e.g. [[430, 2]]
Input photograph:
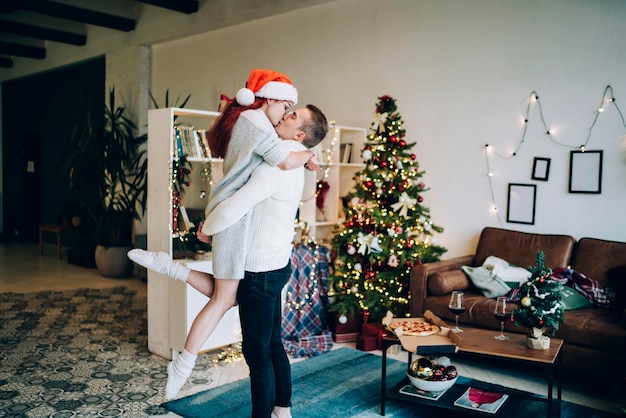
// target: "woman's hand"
[[312, 164], [202, 237]]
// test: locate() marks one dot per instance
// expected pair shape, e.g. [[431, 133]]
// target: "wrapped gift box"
[[346, 332], [365, 343], [376, 330]]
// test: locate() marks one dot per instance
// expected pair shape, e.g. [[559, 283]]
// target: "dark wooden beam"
[[27, 51], [183, 6], [6, 62], [79, 14], [9, 6], [40, 32]]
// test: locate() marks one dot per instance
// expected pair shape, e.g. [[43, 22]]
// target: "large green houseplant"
[[106, 168]]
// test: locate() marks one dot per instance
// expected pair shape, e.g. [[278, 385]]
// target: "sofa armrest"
[[418, 285]]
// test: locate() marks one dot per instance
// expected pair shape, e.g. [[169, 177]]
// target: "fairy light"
[[550, 133]]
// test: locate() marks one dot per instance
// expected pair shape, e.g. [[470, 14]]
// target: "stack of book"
[[191, 142]]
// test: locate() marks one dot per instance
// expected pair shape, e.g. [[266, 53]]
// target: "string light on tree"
[[387, 228], [540, 305]]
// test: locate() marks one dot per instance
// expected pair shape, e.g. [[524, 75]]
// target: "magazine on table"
[[481, 400], [419, 393]]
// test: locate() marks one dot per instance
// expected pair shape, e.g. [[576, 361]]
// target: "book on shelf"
[[411, 390], [345, 152], [186, 224], [481, 400], [191, 142], [204, 143]]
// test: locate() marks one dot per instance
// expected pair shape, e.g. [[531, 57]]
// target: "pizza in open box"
[[415, 327]]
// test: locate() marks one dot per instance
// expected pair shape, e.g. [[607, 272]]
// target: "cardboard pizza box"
[[445, 341]]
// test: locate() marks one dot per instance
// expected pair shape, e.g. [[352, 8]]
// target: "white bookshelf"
[[173, 305], [338, 172]]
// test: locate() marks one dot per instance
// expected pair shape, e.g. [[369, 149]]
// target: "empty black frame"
[[541, 169], [521, 203], [585, 172]]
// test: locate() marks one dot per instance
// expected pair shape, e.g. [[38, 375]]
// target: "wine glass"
[[502, 313], [457, 307]]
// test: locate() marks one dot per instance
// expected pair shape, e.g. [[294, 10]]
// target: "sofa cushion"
[[489, 284], [571, 299], [595, 257], [617, 280], [594, 328], [510, 274], [445, 282], [520, 248]]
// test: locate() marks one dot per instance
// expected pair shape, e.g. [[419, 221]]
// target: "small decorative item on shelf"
[[540, 309]]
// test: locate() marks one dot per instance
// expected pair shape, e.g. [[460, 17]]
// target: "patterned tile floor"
[[22, 270]]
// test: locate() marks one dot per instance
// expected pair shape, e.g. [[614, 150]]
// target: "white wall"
[[462, 73]]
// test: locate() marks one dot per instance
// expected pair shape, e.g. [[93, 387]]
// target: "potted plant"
[[107, 172]]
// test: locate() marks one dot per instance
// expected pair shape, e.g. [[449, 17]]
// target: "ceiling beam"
[[6, 62], [183, 6], [8, 48], [40, 32], [79, 14]]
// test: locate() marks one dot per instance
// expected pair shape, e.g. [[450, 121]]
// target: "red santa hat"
[[269, 85]]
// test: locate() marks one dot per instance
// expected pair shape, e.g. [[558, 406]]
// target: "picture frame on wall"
[[521, 203], [541, 169], [585, 171]]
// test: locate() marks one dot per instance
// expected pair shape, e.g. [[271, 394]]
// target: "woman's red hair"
[[221, 131]]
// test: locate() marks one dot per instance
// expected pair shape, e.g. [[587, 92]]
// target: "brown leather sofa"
[[594, 338]]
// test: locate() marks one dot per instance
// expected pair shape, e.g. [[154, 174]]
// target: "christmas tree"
[[540, 305], [387, 230]]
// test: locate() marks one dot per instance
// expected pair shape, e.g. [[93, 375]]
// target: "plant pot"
[[536, 340], [113, 262]]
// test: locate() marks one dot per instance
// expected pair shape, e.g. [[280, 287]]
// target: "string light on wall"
[[607, 100]]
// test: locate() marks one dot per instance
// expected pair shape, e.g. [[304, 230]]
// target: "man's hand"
[[202, 237]]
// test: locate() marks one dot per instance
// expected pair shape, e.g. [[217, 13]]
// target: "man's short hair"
[[315, 128]]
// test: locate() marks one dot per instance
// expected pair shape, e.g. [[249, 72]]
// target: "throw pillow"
[[446, 281], [511, 274], [489, 284], [617, 279], [571, 299]]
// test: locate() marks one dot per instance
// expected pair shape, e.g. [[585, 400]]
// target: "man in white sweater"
[[272, 196]]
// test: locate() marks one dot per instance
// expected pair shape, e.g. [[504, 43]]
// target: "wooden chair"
[[57, 229]]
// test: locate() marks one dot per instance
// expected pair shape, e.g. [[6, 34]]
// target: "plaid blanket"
[[304, 329], [589, 288]]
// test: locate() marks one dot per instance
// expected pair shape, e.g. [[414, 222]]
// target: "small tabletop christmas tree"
[[540, 306], [387, 230]]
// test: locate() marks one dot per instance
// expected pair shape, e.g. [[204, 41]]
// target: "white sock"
[[160, 262], [178, 370]]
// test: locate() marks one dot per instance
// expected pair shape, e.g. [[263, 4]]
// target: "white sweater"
[[275, 195]]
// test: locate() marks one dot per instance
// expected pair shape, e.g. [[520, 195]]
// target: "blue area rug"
[[346, 383]]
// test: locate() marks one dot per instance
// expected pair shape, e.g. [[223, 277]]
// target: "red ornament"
[[421, 185], [420, 199], [540, 322], [383, 164], [403, 143], [412, 156]]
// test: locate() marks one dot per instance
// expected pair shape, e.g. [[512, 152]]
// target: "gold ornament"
[[526, 302]]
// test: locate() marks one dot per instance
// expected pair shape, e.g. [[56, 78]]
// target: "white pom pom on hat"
[[245, 97], [267, 84]]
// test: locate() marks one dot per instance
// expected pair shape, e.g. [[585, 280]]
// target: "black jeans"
[[260, 314]]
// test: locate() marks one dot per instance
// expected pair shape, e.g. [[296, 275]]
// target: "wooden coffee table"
[[480, 342]]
